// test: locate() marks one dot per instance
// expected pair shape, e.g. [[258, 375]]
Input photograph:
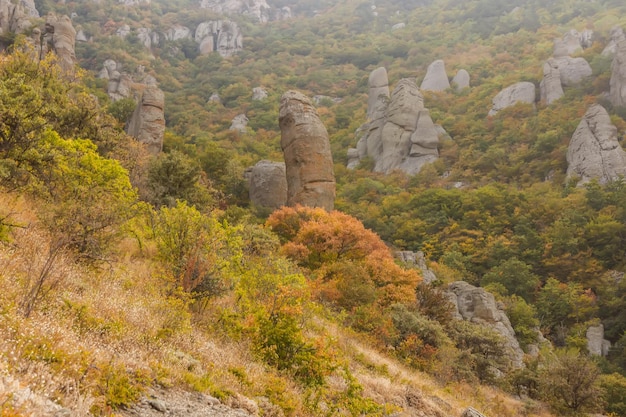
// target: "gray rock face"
[[177, 32], [378, 96], [61, 36], [617, 92], [594, 151], [123, 31], [16, 17], [147, 124], [257, 10], [401, 134], [569, 44], [259, 93], [461, 80], [222, 36], [239, 123], [573, 70], [308, 160], [418, 259], [476, 305], [436, 78], [523, 92], [617, 35], [353, 158], [268, 184], [120, 84], [550, 87], [596, 343]]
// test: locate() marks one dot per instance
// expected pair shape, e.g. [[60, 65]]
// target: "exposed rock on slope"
[[596, 343], [239, 123], [120, 84], [147, 124], [523, 92], [550, 87], [436, 78], [617, 92], [16, 18], [617, 35], [461, 80], [594, 151], [222, 36], [476, 305], [308, 160], [268, 184], [573, 70], [62, 37], [258, 10], [400, 133]]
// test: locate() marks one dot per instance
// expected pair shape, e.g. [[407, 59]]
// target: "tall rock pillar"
[[308, 160]]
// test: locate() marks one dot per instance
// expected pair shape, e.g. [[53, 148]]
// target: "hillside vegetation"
[[122, 272]]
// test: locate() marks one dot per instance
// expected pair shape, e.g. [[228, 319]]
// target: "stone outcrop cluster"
[[562, 70], [147, 124], [594, 151], [478, 306], [119, 84], [16, 17], [399, 134], [306, 147], [267, 184], [522, 92], [257, 10]]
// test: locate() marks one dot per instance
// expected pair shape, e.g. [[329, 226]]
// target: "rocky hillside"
[[150, 147]]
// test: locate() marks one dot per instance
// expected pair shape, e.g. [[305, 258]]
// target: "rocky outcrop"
[[418, 259], [119, 84], [259, 93], [399, 133], [16, 17], [594, 151], [147, 124], [378, 96], [572, 42], [478, 306], [550, 87], [222, 36], [257, 10], [596, 343], [573, 70], [523, 92], [436, 78], [123, 31], [461, 80], [61, 35], [267, 182], [472, 412], [177, 32], [239, 123], [616, 36], [308, 160], [617, 92]]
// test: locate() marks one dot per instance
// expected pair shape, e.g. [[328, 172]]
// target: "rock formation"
[[120, 84], [523, 92], [573, 70], [550, 87], [147, 124], [418, 259], [617, 35], [461, 80], [399, 133], [268, 184], [259, 93], [471, 412], [596, 343], [378, 95], [436, 78], [177, 32], [62, 37], [478, 306], [239, 123], [256, 10], [617, 92], [222, 36], [123, 31], [308, 160], [594, 151], [16, 18], [572, 42]]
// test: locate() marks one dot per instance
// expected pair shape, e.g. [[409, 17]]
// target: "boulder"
[[573, 70], [594, 151], [378, 95], [596, 343], [81, 36], [550, 87], [523, 92], [461, 80], [436, 78], [61, 38], [268, 184], [222, 36], [478, 306], [308, 160], [147, 124], [259, 93], [617, 92], [617, 35], [239, 123]]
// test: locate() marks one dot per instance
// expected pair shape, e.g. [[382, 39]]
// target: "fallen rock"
[[550, 87], [436, 78], [147, 124], [461, 80], [308, 160], [523, 92], [617, 92], [594, 151]]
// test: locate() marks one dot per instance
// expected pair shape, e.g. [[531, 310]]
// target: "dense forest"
[[123, 271]]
